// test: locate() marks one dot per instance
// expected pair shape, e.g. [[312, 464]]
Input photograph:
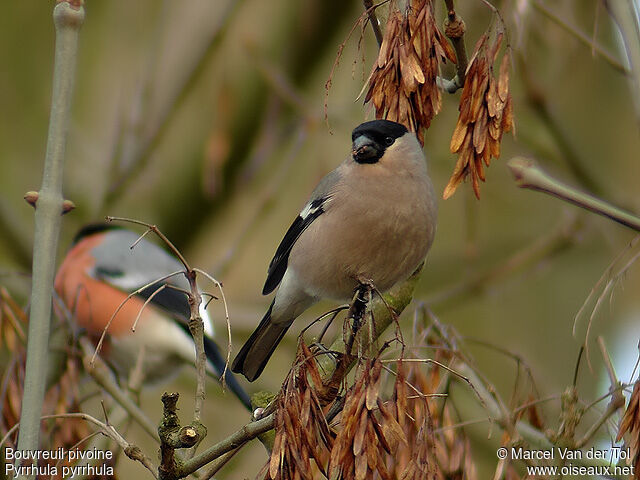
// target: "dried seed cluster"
[[449, 446], [415, 460], [485, 114], [302, 432], [376, 437], [368, 430], [402, 85]]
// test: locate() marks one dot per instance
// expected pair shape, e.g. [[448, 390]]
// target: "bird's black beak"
[[365, 150]]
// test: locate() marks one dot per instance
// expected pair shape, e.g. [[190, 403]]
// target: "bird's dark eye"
[[389, 141]]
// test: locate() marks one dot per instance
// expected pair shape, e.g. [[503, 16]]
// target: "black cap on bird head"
[[371, 139]]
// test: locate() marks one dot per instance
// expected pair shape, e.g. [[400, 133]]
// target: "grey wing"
[[320, 199], [129, 269]]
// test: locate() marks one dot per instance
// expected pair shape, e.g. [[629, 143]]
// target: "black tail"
[[256, 351], [218, 362]]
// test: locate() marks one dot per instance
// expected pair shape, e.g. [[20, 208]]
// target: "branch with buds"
[[528, 174], [454, 29]]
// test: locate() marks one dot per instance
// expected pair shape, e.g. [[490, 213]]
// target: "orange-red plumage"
[[93, 302], [94, 282]]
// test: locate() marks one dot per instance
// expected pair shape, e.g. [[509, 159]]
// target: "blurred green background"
[[213, 114]]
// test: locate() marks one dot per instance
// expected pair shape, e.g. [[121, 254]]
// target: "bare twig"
[[196, 326], [616, 402], [102, 376], [237, 439], [433, 362], [613, 378], [509, 419], [373, 20], [227, 321], [49, 205], [336, 62], [156, 230], [217, 464], [132, 451], [616, 269], [534, 437], [528, 174], [146, 302], [418, 392], [454, 29], [123, 303]]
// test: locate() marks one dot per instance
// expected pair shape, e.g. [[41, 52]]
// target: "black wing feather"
[[174, 302], [278, 264], [171, 300]]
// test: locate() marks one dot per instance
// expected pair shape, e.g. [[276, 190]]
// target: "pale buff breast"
[[381, 231]]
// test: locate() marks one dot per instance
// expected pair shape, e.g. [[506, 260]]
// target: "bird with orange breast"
[[98, 273]]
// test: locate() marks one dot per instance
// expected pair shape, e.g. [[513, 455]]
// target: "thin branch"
[[373, 20], [616, 269], [418, 392], [76, 446], [227, 321], [101, 374], [123, 303], [146, 302], [49, 205], [196, 326], [433, 362], [534, 437], [217, 464], [454, 29], [508, 419], [336, 62], [622, 387], [156, 230], [132, 451], [616, 402], [613, 378], [528, 174], [237, 439]]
